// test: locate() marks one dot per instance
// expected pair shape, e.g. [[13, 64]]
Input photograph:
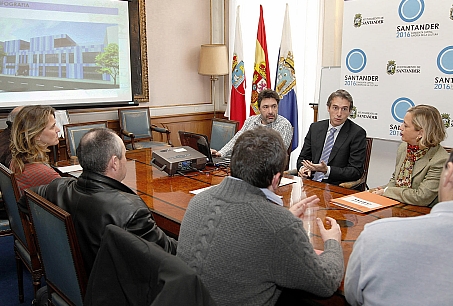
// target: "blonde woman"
[[34, 129], [419, 159]]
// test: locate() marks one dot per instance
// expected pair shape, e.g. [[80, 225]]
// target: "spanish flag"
[[261, 73]]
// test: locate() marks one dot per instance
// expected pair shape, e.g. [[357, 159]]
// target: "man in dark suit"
[[334, 149]]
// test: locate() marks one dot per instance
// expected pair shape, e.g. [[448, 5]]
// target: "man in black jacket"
[[334, 149], [98, 198]]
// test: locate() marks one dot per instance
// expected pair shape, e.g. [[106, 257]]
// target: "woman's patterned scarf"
[[414, 153]]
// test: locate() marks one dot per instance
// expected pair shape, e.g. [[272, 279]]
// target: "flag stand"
[[214, 79]]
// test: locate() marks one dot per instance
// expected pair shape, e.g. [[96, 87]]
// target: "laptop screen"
[[196, 141]]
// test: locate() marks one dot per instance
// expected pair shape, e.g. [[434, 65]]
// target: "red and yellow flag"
[[261, 73]]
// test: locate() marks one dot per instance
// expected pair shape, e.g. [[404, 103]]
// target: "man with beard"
[[268, 117]]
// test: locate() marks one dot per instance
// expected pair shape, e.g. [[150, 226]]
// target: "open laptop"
[[200, 143]]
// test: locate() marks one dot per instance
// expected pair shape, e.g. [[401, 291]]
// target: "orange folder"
[[364, 202]]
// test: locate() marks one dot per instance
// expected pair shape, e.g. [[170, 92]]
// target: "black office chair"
[[59, 251], [361, 184], [73, 133], [24, 242], [129, 270], [222, 131], [288, 153], [137, 130]]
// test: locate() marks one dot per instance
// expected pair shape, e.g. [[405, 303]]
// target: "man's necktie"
[[325, 153]]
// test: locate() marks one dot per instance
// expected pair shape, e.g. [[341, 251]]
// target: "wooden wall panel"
[[196, 123]]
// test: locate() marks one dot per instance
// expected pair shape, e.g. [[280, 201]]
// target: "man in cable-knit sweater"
[[244, 244]]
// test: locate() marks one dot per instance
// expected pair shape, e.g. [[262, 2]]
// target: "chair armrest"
[[131, 136], [128, 134], [352, 184], [160, 129], [291, 172]]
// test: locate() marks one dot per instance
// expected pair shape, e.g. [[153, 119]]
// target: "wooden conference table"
[[168, 198]]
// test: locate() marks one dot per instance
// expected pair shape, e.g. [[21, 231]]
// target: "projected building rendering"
[[53, 56], [65, 53]]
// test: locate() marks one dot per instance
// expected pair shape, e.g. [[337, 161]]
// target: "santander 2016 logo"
[[411, 10], [356, 60], [400, 107], [445, 60]]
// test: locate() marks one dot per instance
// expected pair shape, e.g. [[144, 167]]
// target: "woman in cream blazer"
[[419, 158]]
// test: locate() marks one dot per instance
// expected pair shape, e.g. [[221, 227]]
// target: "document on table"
[[197, 191], [68, 169], [285, 181], [364, 202], [74, 170]]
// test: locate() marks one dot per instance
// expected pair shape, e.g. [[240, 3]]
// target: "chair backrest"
[[74, 132], [359, 184], [366, 164], [288, 152], [59, 250], [119, 278], [222, 131], [137, 121], [11, 194]]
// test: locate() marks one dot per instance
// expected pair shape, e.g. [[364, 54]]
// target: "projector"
[[178, 159]]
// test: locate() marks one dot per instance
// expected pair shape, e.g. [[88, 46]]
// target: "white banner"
[[397, 54]]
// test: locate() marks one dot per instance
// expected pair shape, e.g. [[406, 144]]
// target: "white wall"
[[382, 162]]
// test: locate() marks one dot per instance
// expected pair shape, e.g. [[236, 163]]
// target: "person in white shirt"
[[406, 261]]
